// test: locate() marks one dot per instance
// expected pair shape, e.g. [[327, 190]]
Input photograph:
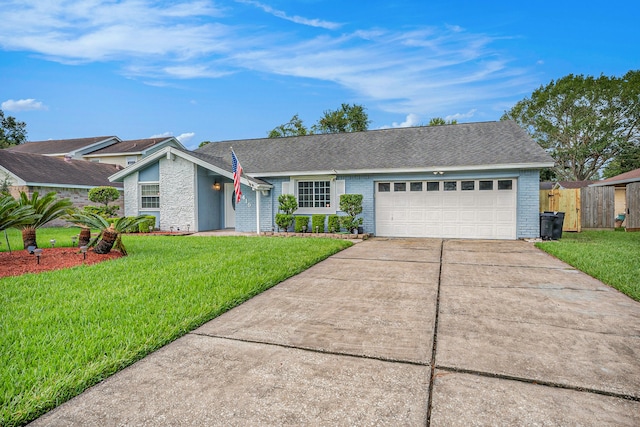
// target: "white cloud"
[[296, 19], [460, 116], [411, 120], [23, 105], [429, 71], [184, 138]]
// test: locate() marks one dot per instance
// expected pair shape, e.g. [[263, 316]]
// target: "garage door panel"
[[486, 214]]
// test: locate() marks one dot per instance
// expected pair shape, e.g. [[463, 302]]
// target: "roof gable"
[[38, 169], [136, 146]]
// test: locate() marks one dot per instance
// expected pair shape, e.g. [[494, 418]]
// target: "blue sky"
[[234, 69]]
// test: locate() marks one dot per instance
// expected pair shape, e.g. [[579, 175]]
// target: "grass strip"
[[66, 330], [612, 257]]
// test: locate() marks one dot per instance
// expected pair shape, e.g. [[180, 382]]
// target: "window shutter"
[[340, 190], [285, 187]]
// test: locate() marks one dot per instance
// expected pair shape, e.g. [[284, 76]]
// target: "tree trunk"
[[29, 237], [105, 244], [85, 237]]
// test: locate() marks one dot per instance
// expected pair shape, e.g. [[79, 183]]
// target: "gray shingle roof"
[[58, 146], [35, 168], [131, 146], [462, 145]]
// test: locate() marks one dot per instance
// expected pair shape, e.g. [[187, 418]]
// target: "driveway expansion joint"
[[538, 382], [435, 338], [313, 350]]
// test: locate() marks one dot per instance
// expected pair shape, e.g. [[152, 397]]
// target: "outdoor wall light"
[[216, 186], [438, 172], [83, 249], [37, 252]]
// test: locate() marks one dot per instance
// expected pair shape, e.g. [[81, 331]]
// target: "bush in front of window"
[[302, 224], [333, 223], [317, 223], [351, 204], [287, 206]]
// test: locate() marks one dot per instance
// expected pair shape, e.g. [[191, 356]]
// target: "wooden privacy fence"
[[598, 207], [589, 207], [633, 207], [567, 201]]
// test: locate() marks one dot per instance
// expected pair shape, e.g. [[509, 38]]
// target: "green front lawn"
[[65, 330], [612, 257]]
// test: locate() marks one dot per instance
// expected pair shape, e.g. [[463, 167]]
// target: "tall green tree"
[[347, 118], [293, 127], [627, 160], [12, 131], [583, 122]]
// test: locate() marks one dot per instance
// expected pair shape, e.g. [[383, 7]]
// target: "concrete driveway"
[[396, 332]]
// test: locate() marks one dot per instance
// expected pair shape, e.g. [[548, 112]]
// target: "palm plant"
[[110, 234], [14, 215], [48, 208]]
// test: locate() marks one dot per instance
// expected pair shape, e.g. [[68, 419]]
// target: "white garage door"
[[474, 209]]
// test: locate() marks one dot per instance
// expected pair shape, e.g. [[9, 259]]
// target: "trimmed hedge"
[[333, 223], [317, 223], [301, 222]]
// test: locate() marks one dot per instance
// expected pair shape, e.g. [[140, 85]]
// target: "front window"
[[149, 196], [314, 194]]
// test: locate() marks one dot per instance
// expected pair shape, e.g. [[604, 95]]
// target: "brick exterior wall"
[[78, 196], [528, 204], [177, 194]]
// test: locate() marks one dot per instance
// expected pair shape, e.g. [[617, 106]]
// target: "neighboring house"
[[101, 149], [475, 180], [564, 185], [71, 179], [125, 153], [620, 182]]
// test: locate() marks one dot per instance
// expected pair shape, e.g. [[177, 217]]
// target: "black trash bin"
[[558, 221], [546, 225]]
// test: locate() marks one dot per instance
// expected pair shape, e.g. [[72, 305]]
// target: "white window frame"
[[129, 160], [336, 187], [140, 186]]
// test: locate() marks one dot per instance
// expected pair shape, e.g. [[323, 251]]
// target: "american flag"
[[237, 173]]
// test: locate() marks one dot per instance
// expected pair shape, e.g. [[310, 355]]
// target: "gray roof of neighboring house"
[[36, 168], [131, 146], [462, 145], [548, 185], [59, 146]]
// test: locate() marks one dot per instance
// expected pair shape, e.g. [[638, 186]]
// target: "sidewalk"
[[518, 338]]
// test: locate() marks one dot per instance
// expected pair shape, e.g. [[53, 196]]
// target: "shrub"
[[351, 204], [284, 221], [302, 224], [287, 206], [105, 195], [150, 221], [333, 223], [317, 223]]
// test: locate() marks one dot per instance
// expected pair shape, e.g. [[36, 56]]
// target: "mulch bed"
[[20, 261]]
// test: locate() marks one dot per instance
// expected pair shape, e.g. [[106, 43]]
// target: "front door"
[[229, 206]]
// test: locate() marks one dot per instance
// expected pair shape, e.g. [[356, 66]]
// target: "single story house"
[[69, 178], [620, 182], [99, 149], [473, 180]]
